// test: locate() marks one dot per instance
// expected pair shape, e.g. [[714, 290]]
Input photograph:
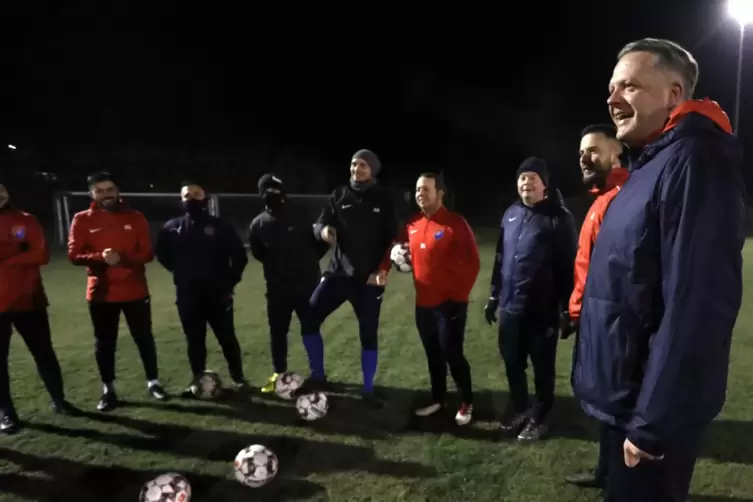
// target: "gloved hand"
[[490, 311], [568, 326]]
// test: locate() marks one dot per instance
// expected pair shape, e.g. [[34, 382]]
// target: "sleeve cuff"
[[646, 442]]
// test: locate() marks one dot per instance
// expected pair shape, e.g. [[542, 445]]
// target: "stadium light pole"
[[742, 12]]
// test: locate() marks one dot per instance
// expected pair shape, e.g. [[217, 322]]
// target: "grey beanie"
[[371, 159]]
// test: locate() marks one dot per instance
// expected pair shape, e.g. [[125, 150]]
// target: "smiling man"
[[665, 282], [531, 281]]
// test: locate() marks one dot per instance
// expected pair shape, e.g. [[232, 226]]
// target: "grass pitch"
[[353, 454]]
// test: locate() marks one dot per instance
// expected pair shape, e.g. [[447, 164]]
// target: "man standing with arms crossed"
[[664, 287], [603, 176], [359, 221], [446, 264], [207, 260], [23, 306], [113, 242]]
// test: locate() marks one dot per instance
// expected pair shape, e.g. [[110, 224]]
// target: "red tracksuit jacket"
[[23, 251], [125, 231], [444, 255]]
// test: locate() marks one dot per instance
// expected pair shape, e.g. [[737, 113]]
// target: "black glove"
[[568, 326], [490, 311]]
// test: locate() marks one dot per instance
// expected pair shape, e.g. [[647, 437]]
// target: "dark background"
[[155, 94]]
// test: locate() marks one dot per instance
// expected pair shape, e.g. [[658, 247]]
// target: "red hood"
[[618, 176], [705, 107]]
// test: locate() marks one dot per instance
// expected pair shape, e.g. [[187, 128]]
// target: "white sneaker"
[[464, 414], [429, 410]]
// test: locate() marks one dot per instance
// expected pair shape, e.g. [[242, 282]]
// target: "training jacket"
[[665, 285], [23, 251], [287, 249], [204, 254], [444, 256], [588, 232], [366, 226], [124, 230], [533, 266]]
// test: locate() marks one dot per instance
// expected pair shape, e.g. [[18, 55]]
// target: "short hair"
[[607, 130], [438, 180], [99, 177], [669, 55]]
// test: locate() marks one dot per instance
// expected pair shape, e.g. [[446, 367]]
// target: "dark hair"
[[438, 180], [669, 55], [99, 177], [607, 130]]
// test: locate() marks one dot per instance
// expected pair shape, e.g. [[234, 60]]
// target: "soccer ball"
[[312, 406], [209, 385], [256, 465], [171, 487], [400, 257], [287, 384]]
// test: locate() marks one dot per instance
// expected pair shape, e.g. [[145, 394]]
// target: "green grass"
[[352, 454]]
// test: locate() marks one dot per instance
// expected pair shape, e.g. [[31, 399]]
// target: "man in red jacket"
[[445, 263], [113, 242], [23, 306]]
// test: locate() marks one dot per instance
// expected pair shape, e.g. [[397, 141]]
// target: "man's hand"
[[329, 234], [111, 257], [633, 455], [377, 279], [490, 311], [568, 325]]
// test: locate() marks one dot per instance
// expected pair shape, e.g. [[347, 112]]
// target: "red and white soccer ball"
[[312, 407], [209, 385], [400, 257], [256, 465], [287, 384], [170, 487]]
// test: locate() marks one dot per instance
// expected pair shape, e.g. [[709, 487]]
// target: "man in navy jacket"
[[531, 282], [665, 283]]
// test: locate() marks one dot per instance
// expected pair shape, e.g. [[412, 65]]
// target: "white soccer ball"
[[400, 257], [171, 487], [209, 385], [256, 465], [287, 384], [312, 406]]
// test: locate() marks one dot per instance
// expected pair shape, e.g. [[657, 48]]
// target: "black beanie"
[[268, 181], [371, 159], [534, 165]]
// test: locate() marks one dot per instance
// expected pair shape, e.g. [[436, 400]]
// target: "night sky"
[[494, 87]]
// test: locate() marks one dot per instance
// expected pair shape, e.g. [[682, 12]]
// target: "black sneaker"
[[108, 402], [312, 384], [192, 391], [513, 421], [533, 431], [587, 480], [241, 386], [9, 424], [373, 399], [157, 392], [63, 407]]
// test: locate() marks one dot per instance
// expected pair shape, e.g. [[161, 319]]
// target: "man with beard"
[[603, 176], [113, 242], [665, 285], [359, 222], [207, 260], [23, 306], [290, 254]]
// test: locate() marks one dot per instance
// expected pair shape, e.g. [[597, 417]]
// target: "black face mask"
[[273, 200], [195, 207]]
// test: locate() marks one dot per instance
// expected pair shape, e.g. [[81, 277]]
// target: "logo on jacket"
[[209, 231], [439, 234], [18, 231]]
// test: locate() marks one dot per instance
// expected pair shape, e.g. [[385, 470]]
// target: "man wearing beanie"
[[281, 239], [23, 306], [207, 260], [531, 282], [359, 222]]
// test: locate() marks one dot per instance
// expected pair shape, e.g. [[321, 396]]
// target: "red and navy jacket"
[[23, 251]]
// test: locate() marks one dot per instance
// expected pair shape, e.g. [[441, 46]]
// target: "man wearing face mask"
[[23, 306], [359, 222], [283, 242], [207, 260]]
